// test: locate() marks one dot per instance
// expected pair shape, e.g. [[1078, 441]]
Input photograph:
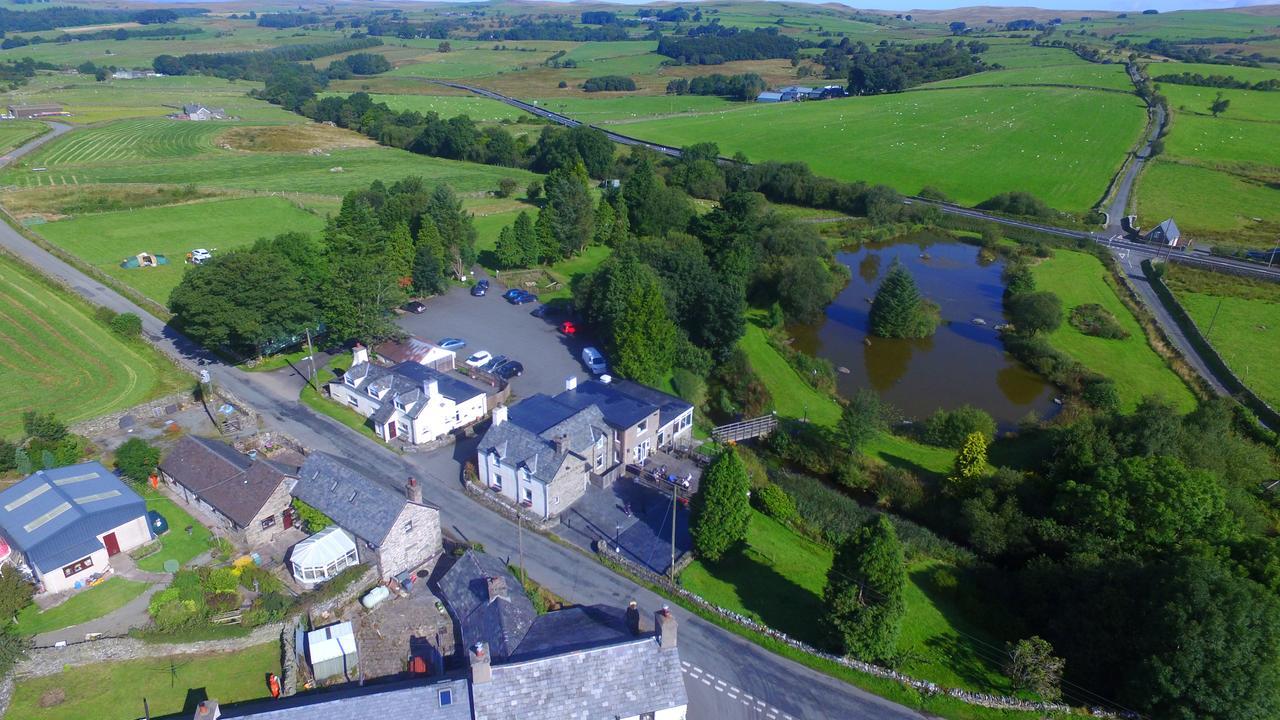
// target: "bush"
[[1093, 319], [1018, 203], [1036, 312], [126, 325], [609, 83], [774, 502], [1101, 393], [1018, 279], [136, 460], [313, 519], [949, 428], [507, 187], [897, 488], [221, 581], [691, 388], [43, 426]]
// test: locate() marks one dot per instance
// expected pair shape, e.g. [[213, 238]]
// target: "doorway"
[[113, 545]]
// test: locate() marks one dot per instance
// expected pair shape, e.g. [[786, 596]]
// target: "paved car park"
[[491, 323]]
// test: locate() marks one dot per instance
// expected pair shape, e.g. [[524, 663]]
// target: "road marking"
[[734, 693]]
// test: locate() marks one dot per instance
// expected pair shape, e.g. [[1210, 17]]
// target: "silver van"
[[594, 360]]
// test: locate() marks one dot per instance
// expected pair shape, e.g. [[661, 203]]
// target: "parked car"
[[521, 297], [480, 359], [509, 369], [594, 360], [494, 362], [452, 343], [568, 328], [199, 255], [415, 307], [480, 288], [513, 292]]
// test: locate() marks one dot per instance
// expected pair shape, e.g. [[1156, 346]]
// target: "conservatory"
[[323, 555]]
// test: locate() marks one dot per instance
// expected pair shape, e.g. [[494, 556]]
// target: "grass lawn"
[[176, 543], [971, 143], [117, 688], [16, 132], [1078, 278], [1242, 320], [82, 607], [56, 357], [792, 396], [900, 451], [779, 579], [104, 239]]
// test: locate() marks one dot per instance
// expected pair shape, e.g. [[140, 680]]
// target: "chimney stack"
[[431, 388], [633, 619], [499, 415], [207, 710], [481, 670], [562, 444], [571, 382], [359, 354], [413, 490], [665, 628], [497, 588]]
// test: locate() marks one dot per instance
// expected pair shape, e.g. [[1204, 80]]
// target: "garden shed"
[[332, 651], [323, 555]]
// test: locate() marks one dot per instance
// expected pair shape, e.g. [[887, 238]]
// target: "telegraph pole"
[[311, 355], [672, 571]]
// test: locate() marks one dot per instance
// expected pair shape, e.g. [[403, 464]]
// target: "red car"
[[568, 328]]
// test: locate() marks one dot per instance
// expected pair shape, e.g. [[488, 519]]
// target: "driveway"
[[491, 323]]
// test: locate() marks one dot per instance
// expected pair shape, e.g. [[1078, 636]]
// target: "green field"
[[104, 239], [1175, 26], [614, 108], [114, 691], [16, 132], [1078, 278], [971, 143], [1211, 207], [792, 396], [133, 140], [83, 606], [59, 360], [1241, 319], [779, 579], [1078, 74]]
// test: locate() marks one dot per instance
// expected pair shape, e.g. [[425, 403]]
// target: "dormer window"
[[349, 379]]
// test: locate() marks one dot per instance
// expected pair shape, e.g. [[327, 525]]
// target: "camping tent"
[[332, 651], [323, 555]]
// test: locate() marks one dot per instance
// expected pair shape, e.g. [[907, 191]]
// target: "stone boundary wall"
[[367, 579], [142, 413], [49, 661], [487, 499], [923, 686]]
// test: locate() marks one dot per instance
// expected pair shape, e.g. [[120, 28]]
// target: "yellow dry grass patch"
[[314, 137]]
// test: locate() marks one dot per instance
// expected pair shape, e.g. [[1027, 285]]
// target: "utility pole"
[[1208, 332], [673, 534], [520, 542], [311, 355]]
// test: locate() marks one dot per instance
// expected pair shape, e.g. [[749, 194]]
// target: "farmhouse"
[[396, 531], [66, 522], [408, 400], [542, 452], [1166, 233], [247, 496], [26, 112], [200, 113]]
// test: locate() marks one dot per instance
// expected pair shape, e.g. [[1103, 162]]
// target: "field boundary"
[[1241, 392]]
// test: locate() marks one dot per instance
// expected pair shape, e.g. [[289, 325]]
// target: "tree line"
[[746, 86], [727, 44], [889, 68], [556, 30], [54, 18], [1218, 81], [118, 34], [287, 19]]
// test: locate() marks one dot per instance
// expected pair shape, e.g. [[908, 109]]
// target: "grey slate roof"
[[405, 382], [230, 481], [528, 437], [54, 516], [1169, 228], [362, 506], [620, 680], [502, 621], [413, 699], [572, 629], [624, 403]]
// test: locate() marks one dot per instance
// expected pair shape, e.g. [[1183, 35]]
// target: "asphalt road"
[[726, 676]]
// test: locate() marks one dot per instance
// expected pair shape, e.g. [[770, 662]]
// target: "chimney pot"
[[359, 354], [413, 490], [562, 443]]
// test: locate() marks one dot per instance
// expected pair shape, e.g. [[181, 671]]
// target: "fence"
[[1266, 414]]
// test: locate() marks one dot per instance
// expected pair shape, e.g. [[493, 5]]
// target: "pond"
[[963, 363]]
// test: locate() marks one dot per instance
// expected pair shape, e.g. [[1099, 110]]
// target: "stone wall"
[[143, 414], [505, 508], [48, 661]]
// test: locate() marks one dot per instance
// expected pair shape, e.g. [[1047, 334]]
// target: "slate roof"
[[361, 506], [572, 629], [527, 438], [235, 484], [502, 622], [412, 699], [768, 96], [405, 382], [411, 349], [623, 679], [1169, 228], [624, 403], [54, 516]]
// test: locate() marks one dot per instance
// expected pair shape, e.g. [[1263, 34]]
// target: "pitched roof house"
[[247, 495], [417, 350], [439, 699], [1166, 233], [543, 451], [408, 401], [395, 530], [203, 112], [67, 521]]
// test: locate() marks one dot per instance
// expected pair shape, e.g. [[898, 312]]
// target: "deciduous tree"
[[1033, 667]]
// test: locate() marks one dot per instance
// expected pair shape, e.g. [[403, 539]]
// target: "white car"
[[200, 255], [594, 360], [480, 359]]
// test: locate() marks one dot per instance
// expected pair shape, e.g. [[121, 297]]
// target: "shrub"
[[854, 476], [126, 325], [507, 187], [1101, 393], [1035, 312], [43, 426], [273, 605], [948, 428], [774, 502], [136, 460], [896, 487], [1018, 279], [1017, 203], [691, 388], [1093, 319], [221, 581], [314, 520]]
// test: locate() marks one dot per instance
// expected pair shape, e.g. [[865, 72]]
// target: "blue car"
[[519, 297]]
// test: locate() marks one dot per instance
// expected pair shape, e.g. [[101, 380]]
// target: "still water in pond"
[[964, 361]]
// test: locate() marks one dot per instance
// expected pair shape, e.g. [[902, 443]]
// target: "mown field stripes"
[[137, 139]]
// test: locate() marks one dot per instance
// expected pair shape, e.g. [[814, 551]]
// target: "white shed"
[[332, 651], [323, 555]]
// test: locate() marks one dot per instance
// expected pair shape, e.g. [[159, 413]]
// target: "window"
[[353, 402], [408, 526], [268, 521], [528, 495], [78, 566], [446, 698], [599, 460], [644, 425]]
